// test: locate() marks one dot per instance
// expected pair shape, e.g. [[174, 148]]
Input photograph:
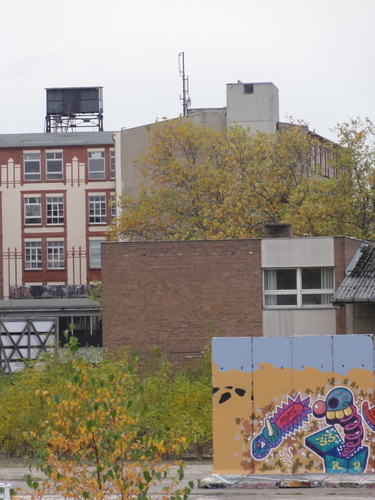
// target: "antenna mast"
[[185, 84]]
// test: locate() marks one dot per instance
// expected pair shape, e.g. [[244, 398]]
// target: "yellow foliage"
[[200, 183], [89, 446]]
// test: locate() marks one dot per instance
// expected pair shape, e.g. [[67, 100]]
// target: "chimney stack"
[[284, 230]]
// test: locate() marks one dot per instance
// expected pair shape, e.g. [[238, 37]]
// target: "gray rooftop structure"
[[359, 283], [37, 307], [53, 140]]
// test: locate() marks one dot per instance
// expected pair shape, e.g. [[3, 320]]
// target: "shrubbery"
[[89, 445], [182, 403], [179, 403]]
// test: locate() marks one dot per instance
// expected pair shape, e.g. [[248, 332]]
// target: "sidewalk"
[[210, 481], [275, 481]]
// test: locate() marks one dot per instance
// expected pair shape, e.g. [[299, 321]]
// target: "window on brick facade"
[[31, 163], [95, 254], [33, 255], [55, 210], [113, 164], [33, 210], [54, 166], [113, 206], [96, 165], [55, 255], [299, 287], [97, 210]]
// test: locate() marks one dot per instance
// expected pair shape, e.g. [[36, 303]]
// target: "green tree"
[[344, 204], [356, 174], [200, 183], [89, 444]]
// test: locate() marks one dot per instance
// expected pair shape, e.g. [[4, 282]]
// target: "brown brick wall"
[[345, 249], [165, 293]]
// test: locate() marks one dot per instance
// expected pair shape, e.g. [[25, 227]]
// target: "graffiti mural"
[[294, 404], [286, 420], [345, 454], [369, 414]]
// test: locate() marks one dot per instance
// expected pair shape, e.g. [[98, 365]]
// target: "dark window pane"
[[280, 279], [286, 279], [313, 299], [249, 88], [286, 300], [311, 278], [280, 300]]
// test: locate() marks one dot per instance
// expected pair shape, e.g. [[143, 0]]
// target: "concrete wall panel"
[[298, 252], [306, 406]]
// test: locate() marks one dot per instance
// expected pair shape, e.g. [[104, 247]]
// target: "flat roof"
[[56, 139], [35, 307]]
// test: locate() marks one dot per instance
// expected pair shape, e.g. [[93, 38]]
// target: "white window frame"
[[270, 295], [113, 206], [55, 255], [32, 210], [112, 164], [95, 254], [55, 210], [97, 209], [54, 158], [33, 255], [31, 166], [96, 165]]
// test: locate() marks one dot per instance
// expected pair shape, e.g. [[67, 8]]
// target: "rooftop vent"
[[248, 88]]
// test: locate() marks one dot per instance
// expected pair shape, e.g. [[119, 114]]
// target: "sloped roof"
[[359, 283]]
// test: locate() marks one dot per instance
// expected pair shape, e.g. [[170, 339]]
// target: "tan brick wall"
[[165, 293]]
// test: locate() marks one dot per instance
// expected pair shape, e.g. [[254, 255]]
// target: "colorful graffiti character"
[[285, 421], [348, 455], [369, 415]]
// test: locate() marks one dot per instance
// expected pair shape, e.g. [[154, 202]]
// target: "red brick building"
[[55, 193], [166, 293]]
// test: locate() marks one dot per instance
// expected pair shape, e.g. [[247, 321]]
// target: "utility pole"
[[185, 84]]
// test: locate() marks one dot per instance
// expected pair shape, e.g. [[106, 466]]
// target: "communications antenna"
[[185, 84]]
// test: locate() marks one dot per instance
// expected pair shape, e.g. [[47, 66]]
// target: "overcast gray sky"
[[319, 53]]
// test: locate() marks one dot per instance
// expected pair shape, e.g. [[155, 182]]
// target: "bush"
[[21, 411], [180, 401], [89, 445]]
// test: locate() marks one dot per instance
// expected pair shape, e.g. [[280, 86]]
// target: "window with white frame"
[[298, 287], [31, 163], [33, 210], [97, 210], [55, 255], [113, 164], [33, 255], [95, 254], [54, 166], [55, 210], [96, 165], [113, 205]]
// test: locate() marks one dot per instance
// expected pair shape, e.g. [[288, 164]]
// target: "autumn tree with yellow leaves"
[[89, 445], [200, 183]]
